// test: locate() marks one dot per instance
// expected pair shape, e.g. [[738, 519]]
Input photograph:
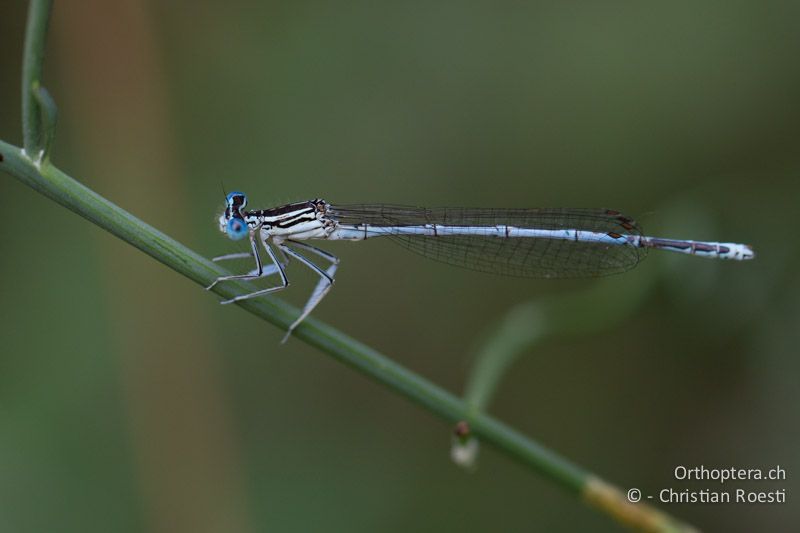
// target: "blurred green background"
[[131, 401]]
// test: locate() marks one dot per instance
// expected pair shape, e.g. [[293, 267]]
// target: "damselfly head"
[[231, 221]]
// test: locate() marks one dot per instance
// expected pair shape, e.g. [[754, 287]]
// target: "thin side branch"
[[32, 61], [531, 323], [49, 118]]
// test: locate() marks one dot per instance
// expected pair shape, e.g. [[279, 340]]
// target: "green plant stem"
[[61, 188], [33, 59]]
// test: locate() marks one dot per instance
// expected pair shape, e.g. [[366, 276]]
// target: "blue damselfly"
[[539, 243]]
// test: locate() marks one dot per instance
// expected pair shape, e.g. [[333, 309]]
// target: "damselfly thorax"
[[541, 243]]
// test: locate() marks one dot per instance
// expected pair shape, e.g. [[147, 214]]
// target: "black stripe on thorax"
[[299, 218], [285, 209], [286, 216]]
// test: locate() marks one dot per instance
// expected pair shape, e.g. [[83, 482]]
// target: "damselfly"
[[539, 243]]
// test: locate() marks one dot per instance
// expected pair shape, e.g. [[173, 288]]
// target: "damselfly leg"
[[277, 265], [323, 285], [228, 257], [322, 273], [259, 271]]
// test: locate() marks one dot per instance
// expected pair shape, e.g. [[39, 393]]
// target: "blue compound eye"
[[237, 200], [236, 228]]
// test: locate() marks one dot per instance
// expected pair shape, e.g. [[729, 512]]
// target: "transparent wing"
[[518, 256]]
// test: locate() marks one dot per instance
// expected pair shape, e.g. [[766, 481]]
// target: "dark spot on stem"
[[462, 429], [1, 158]]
